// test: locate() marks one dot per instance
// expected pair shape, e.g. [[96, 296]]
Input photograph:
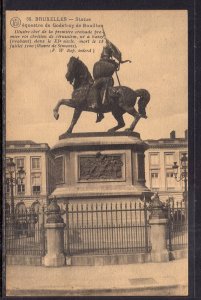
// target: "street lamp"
[[13, 178], [183, 174]]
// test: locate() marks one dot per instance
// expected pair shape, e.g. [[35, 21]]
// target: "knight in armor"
[[102, 72]]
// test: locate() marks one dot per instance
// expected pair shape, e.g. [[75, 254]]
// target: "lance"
[[117, 78], [107, 44], [120, 61]]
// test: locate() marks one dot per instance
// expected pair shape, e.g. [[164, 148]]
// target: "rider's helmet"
[[106, 53]]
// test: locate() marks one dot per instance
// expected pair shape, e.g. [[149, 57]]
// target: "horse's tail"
[[143, 101]]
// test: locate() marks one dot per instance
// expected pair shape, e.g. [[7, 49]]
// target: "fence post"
[[170, 224], [67, 240], [55, 236], [146, 227], [42, 229], [31, 224], [158, 221]]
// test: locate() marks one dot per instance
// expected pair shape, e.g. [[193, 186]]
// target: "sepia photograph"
[[96, 157]]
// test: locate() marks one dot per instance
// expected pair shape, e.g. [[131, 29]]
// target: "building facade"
[[159, 159], [38, 163], [40, 180]]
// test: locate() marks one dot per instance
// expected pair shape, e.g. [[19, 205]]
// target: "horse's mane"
[[84, 68]]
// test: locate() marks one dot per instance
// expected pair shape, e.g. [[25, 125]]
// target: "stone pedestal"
[[158, 221], [55, 245], [99, 167], [159, 251], [55, 237]]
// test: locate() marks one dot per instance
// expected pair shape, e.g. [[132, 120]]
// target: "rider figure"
[[102, 73]]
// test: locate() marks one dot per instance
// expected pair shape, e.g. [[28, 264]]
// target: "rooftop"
[[172, 141], [20, 143], [25, 145]]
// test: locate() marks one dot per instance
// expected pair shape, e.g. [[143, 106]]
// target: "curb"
[[163, 290]]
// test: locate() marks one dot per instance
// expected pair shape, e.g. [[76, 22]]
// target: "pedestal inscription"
[[100, 167]]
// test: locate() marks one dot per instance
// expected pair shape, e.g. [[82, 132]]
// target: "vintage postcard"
[[96, 169]]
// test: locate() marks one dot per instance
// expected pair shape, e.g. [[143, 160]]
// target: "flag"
[[115, 51]]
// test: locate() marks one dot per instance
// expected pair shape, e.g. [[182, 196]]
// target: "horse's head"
[[77, 73], [72, 69]]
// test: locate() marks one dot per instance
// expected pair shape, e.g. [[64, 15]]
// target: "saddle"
[[108, 94], [113, 92]]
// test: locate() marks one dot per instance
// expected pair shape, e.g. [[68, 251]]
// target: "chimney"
[[172, 135], [186, 134]]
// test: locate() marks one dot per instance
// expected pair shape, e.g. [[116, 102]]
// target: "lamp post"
[[183, 175], [14, 178]]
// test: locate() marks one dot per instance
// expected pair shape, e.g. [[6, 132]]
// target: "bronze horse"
[[119, 99]]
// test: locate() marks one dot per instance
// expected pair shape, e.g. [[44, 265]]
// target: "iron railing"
[[25, 234], [177, 229], [99, 228], [106, 228]]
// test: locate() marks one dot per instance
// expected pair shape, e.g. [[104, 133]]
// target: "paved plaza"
[[169, 278]]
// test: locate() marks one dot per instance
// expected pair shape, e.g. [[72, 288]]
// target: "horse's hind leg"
[[133, 124], [132, 111], [120, 120], [142, 103]]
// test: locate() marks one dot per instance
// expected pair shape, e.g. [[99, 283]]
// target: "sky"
[[155, 41]]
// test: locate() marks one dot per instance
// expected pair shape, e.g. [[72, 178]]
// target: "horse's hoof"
[[56, 114], [111, 130], [64, 135], [69, 131], [144, 116], [99, 118]]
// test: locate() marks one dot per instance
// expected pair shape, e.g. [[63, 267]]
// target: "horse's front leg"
[[67, 102], [75, 118]]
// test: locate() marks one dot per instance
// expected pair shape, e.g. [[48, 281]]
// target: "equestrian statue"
[[97, 94]]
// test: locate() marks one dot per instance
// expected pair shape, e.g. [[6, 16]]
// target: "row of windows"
[[35, 177], [35, 162], [154, 159], [35, 185], [20, 189], [170, 181]]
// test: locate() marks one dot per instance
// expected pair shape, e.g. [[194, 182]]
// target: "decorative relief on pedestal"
[[101, 167], [59, 169]]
